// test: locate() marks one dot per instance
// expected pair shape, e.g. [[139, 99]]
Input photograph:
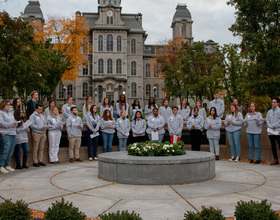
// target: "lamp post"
[[64, 93], [155, 88]]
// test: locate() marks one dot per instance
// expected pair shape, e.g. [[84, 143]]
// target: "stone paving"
[[78, 183]]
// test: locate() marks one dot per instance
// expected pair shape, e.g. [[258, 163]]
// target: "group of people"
[[14, 127]]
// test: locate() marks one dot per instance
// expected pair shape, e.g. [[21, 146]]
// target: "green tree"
[[257, 23]]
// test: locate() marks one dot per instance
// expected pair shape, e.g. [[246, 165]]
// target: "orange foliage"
[[69, 35], [1, 22]]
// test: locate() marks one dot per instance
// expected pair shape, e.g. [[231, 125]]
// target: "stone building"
[[119, 60]]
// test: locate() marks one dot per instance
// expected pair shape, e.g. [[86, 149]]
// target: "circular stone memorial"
[[194, 166]]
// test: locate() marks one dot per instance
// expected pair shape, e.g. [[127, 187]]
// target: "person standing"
[[74, 126], [106, 105], [21, 140], [123, 129], [86, 108], [47, 110], [16, 105], [32, 103], [184, 109], [8, 126], [107, 126], [213, 125], [201, 110], [149, 108], [122, 106], [238, 107], [195, 125], [273, 124], [134, 108], [66, 109], [156, 124], [54, 127], [92, 121], [175, 125], [39, 128], [165, 111], [218, 104], [233, 123], [254, 122], [138, 128]]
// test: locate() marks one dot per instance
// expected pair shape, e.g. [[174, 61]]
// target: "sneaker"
[[90, 158], [36, 165], [231, 159], [3, 170], [95, 158], [71, 160], [237, 159], [42, 164], [251, 161], [79, 160], [217, 157], [257, 162], [10, 169]]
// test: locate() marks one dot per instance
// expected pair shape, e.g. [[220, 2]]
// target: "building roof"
[[181, 14], [33, 10]]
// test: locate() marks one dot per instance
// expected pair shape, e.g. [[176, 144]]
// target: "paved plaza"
[[78, 183]]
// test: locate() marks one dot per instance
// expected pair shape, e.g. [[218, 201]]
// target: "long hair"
[[151, 104], [181, 104], [51, 111], [91, 111], [163, 101], [105, 117], [104, 105], [87, 103], [140, 116], [215, 115], [199, 102], [236, 109], [122, 102], [134, 104], [256, 108], [18, 117], [50, 102], [15, 103], [3, 104]]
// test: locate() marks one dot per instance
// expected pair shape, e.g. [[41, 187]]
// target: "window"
[[133, 68], [156, 91], [148, 91], [70, 90], [100, 93], [133, 46], [100, 43], [110, 42], [100, 66], [148, 70], [85, 89], [120, 91], [184, 30], [156, 71], [133, 90], [109, 19], [110, 66], [119, 43], [85, 70], [119, 66], [60, 91]]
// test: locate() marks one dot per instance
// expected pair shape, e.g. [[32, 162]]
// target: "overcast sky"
[[212, 18]]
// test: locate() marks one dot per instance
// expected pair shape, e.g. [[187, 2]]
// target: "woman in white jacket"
[[138, 128], [123, 129]]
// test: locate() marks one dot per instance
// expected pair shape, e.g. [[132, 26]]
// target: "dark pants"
[[273, 139], [92, 144], [196, 136], [139, 139], [25, 148]]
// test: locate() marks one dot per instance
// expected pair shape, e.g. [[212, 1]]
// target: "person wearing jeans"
[[156, 124], [107, 126], [233, 123], [7, 137], [175, 125], [123, 128]]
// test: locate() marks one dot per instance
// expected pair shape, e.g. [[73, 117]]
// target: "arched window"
[[60, 91], [133, 90], [119, 66], [156, 91], [70, 90], [133, 46], [184, 30], [133, 68], [100, 43], [119, 43], [100, 66], [148, 70], [148, 91], [110, 66], [100, 93], [110, 42], [85, 89]]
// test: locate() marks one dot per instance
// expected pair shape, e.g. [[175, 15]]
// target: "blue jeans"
[[92, 144], [254, 140], [122, 144], [7, 146], [160, 137], [234, 142], [214, 143], [25, 149], [107, 141]]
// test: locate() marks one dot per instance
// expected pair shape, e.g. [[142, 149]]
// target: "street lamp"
[[123, 92], [155, 88], [64, 95]]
